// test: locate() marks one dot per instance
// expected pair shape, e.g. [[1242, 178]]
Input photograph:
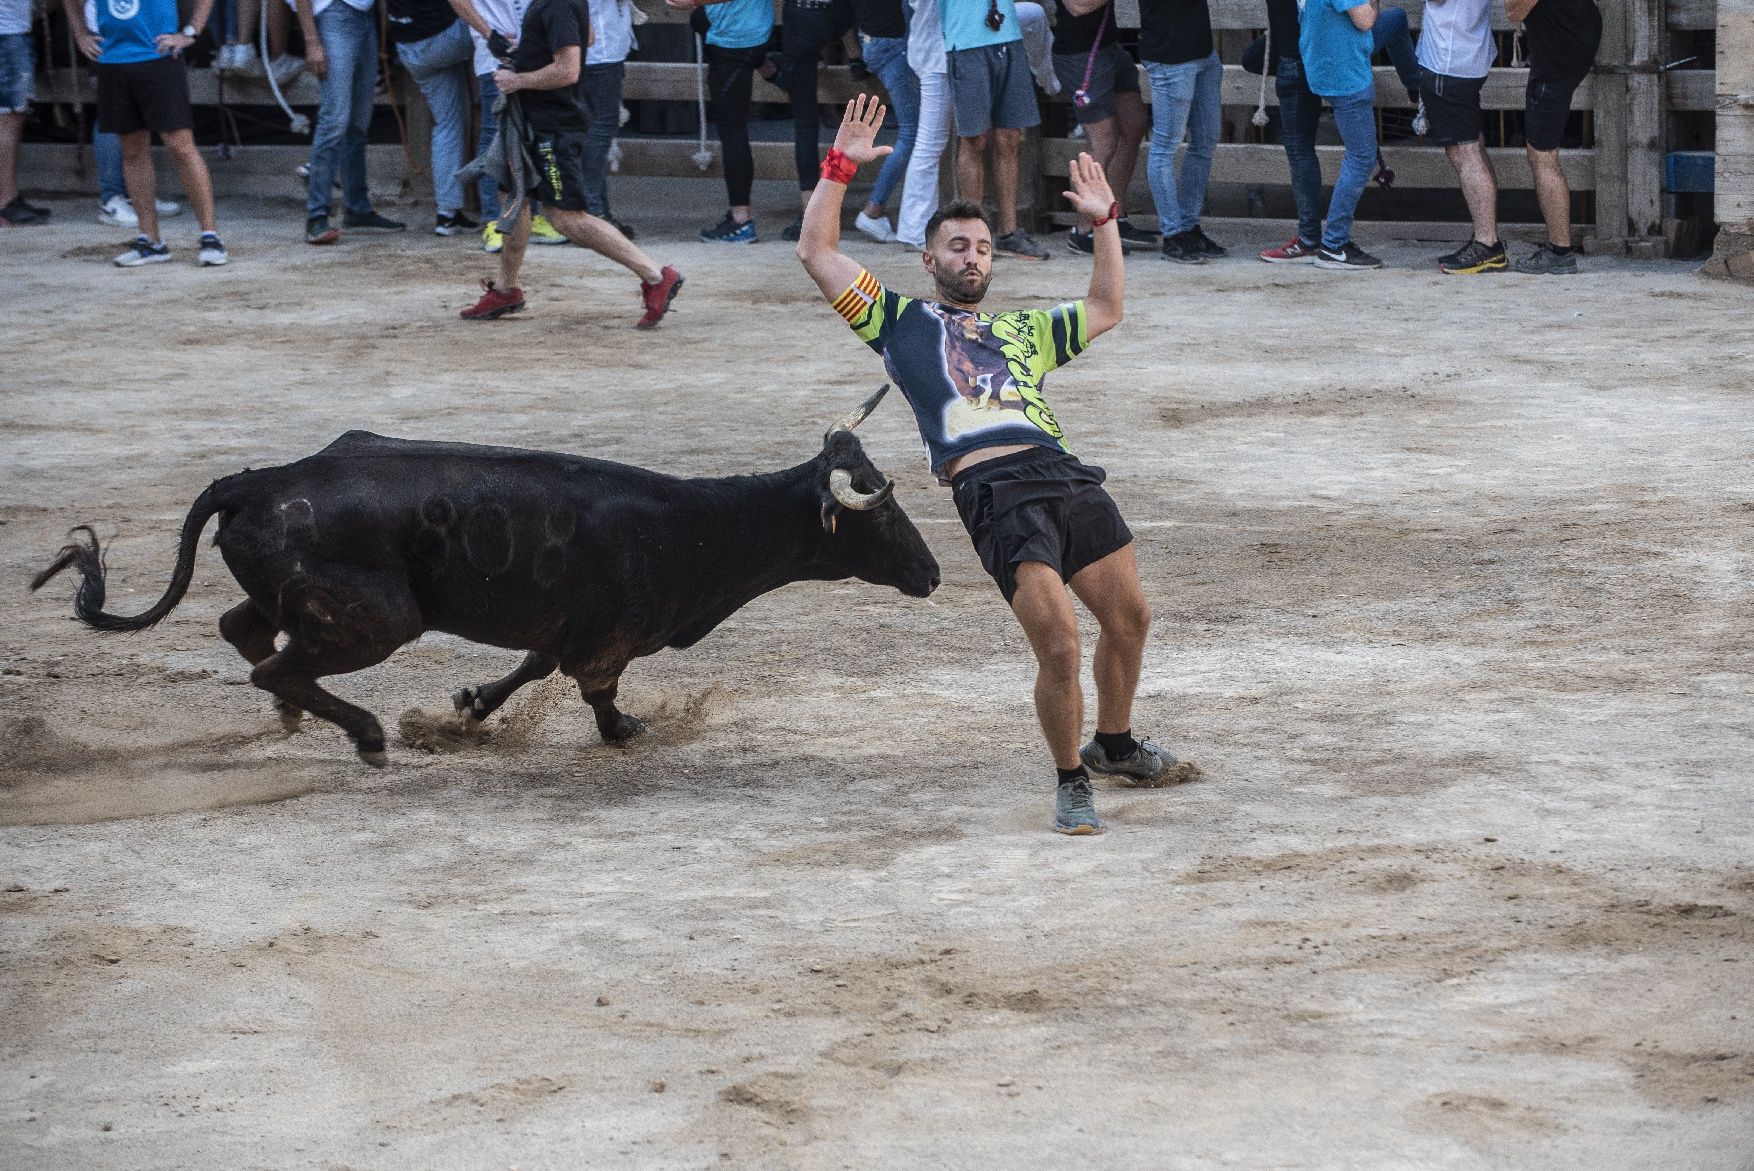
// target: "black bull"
[[585, 564]]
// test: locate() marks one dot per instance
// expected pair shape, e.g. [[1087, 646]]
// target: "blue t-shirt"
[[1336, 52], [739, 24], [130, 29], [965, 24]]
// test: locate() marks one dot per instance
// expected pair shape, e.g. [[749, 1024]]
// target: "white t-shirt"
[[318, 6], [925, 38], [1455, 39], [612, 26], [502, 16], [14, 17]]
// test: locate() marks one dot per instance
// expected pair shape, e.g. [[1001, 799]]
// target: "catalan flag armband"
[[856, 302]]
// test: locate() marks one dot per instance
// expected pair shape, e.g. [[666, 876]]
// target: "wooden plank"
[[674, 81], [1734, 200], [1691, 15], [1644, 120], [58, 85], [1414, 166], [1610, 117]]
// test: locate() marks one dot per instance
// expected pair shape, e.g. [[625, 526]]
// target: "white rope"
[[296, 122], [1420, 122], [1260, 118], [703, 157]]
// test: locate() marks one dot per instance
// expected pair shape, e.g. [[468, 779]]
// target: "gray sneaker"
[[1148, 767], [1543, 261], [1021, 245], [1074, 812]]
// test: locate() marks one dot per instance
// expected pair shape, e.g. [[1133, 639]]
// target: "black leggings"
[[803, 33], [730, 78]]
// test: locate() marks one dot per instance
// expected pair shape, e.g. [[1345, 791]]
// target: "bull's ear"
[[829, 511]]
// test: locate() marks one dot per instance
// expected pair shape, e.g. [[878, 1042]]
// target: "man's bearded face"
[[960, 260]]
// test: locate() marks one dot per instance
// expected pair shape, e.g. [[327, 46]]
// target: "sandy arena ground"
[[1451, 580]]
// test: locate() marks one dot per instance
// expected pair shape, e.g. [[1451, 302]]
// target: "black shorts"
[[1113, 72], [1038, 505], [144, 95], [1546, 107], [560, 160], [1452, 104]]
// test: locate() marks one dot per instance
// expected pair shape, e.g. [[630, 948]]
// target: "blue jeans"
[[887, 58], [1185, 100], [487, 187], [601, 85], [1390, 35], [107, 150], [441, 66], [1299, 111], [1355, 115], [344, 113]]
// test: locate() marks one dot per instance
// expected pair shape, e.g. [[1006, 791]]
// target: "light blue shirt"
[[1336, 52], [965, 24], [739, 24], [130, 29]]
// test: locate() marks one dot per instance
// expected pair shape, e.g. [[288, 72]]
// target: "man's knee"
[[180, 144], [1543, 161], [1130, 621], [1007, 139], [137, 146], [1059, 652], [975, 142]]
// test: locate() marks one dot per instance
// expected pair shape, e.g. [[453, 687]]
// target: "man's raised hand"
[[858, 130], [1090, 192]]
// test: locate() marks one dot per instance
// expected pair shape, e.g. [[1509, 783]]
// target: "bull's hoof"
[[291, 718], [625, 728], [467, 701], [377, 757]]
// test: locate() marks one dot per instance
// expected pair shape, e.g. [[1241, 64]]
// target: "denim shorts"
[[991, 86], [18, 73]]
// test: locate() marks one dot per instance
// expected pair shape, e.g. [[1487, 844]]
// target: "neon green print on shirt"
[[1020, 342]]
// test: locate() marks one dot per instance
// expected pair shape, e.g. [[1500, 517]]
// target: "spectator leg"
[[142, 180], [1355, 115], [1007, 146], [487, 187], [11, 134], [1479, 187], [106, 148], [1172, 96], [1299, 112], [602, 88], [1205, 119], [192, 169], [971, 168], [1555, 196], [919, 191]]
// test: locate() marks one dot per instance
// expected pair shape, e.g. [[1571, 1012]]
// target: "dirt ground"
[[1451, 582]]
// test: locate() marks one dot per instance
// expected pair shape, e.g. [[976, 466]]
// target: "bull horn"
[[840, 485], [858, 416]]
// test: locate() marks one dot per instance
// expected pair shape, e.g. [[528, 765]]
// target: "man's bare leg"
[[1132, 124], [1044, 610], [1007, 144], [1555, 196], [1479, 187], [511, 255], [605, 239], [971, 168], [192, 169], [141, 180], [11, 134], [1110, 590]]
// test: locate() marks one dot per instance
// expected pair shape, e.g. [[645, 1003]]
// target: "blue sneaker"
[[1074, 812], [729, 231]]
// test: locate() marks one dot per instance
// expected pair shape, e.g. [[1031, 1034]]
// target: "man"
[[806, 26], [142, 87], [1335, 46], [990, 88], [883, 30], [17, 89], [1187, 93], [434, 46], [737, 32], [542, 76], [600, 85], [1039, 518], [341, 52], [1455, 55], [1104, 84], [1563, 37]]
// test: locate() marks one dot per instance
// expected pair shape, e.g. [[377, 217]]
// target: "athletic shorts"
[[560, 159], [991, 86], [144, 95], [1452, 104], [1038, 505], [18, 73], [1112, 72], [1546, 107]]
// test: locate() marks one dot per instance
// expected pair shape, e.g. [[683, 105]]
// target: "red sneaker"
[[658, 297], [1293, 251], [495, 302]]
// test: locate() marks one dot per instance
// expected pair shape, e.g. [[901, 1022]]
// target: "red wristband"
[[1114, 213], [837, 168]]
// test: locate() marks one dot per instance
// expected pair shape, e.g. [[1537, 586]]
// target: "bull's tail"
[[84, 552]]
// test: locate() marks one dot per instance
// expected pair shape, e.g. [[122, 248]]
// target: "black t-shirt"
[[880, 18], [1174, 31], [1077, 34], [549, 26], [1563, 38], [1283, 24], [416, 20]]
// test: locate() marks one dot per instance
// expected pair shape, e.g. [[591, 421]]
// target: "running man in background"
[[1563, 38]]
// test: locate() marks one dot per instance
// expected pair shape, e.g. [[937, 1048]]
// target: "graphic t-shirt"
[[1455, 39], [1172, 32], [1563, 38], [130, 29], [973, 379], [1336, 52], [550, 26], [739, 24], [965, 24]]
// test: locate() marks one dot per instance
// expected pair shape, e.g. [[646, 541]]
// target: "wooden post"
[[1644, 127], [1610, 123], [1733, 254]]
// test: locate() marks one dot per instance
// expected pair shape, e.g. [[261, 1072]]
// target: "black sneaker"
[[793, 230], [1347, 258], [1132, 237], [1475, 257], [1084, 242], [1183, 248], [20, 212], [454, 225], [212, 253], [1546, 261], [371, 221], [729, 231], [144, 251], [1209, 248], [1074, 811], [1020, 244], [318, 230]]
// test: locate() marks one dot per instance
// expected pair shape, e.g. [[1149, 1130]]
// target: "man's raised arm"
[[819, 239], [1091, 195]]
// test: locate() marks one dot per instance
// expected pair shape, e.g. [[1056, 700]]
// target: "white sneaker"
[[117, 212], [212, 250], [166, 207], [144, 251], [876, 227]]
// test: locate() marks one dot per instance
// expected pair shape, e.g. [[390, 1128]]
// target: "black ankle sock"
[[1118, 745], [1558, 251], [1072, 774]]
